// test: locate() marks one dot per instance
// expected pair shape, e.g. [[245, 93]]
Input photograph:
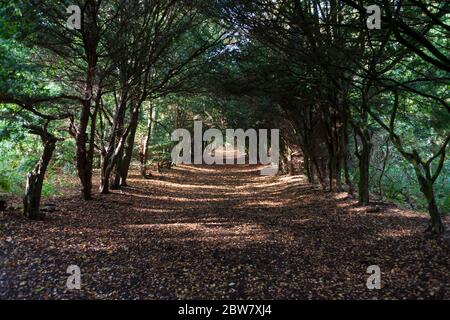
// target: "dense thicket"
[[367, 110]]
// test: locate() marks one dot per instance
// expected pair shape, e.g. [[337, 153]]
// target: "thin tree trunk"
[[364, 155], [143, 154], [115, 183], [364, 162], [105, 172], [345, 154], [128, 152], [307, 168], [383, 169]]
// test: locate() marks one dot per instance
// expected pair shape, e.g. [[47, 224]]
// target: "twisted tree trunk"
[[35, 178], [122, 170]]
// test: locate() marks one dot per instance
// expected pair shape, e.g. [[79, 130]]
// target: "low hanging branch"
[[29, 104], [35, 178]]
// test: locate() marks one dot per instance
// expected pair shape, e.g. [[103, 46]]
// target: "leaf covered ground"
[[224, 232]]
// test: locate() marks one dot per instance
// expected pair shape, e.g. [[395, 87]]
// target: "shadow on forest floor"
[[221, 232]]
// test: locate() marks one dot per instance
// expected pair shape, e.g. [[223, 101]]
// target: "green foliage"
[[19, 152], [399, 183], [161, 151]]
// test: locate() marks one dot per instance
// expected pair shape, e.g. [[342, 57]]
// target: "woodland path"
[[220, 232]]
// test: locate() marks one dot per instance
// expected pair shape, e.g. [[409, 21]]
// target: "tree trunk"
[[345, 154], [436, 225], [85, 153], [35, 178], [143, 154], [105, 172], [112, 154], [128, 153], [364, 155], [307, 168], [115, 181], [363, 185], [120, 120], [426, 186], [84, 164]]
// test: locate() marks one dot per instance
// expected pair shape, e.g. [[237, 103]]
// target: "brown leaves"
[[220, 232]]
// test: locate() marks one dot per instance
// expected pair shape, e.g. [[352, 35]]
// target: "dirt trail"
[[220, 232]]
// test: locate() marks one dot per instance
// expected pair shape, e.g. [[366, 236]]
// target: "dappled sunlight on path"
[[221, 232]]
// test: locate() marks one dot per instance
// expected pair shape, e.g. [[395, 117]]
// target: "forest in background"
[[366, 110]]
